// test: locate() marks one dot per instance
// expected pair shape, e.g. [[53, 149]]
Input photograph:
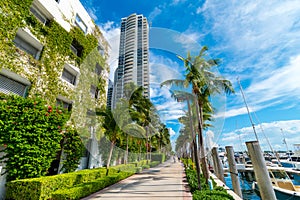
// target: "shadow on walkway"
[[166, 181]]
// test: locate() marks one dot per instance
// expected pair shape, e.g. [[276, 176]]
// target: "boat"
[[283, 186]]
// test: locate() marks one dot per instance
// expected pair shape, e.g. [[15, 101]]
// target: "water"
[[248, 193]]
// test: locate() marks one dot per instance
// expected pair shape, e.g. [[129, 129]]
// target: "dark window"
[[68, 76], [98, 69], [76, 48], [26, 46], [8, 85], [64, 104], [94, 92], [35, 11]]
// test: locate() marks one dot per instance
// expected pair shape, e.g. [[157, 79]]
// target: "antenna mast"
[[253, 126]]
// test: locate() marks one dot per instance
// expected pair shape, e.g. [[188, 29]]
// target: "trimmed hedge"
[[43, 187], [158, 157], [211, 195], [154, 163], [86, 189], [71, 185]]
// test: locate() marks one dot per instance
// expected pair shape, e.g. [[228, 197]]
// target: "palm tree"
[[188, 121], [204, 84], [116, 123], [112, 130]]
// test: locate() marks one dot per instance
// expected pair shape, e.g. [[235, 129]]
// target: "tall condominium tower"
[[133, 65]]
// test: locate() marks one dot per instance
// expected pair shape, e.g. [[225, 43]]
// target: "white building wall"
[[64, 12]]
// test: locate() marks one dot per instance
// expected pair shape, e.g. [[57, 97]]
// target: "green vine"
[[73, 149], [45, 73]]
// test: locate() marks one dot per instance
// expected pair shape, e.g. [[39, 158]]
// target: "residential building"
[[109, 94], [53, 49], [133, 63]]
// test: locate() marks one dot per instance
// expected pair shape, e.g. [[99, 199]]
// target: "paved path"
[[166, 181]]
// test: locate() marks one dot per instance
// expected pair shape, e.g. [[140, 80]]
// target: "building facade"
[[109, 94], [133, 64], [54, 50]]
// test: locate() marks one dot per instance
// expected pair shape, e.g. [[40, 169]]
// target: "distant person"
[[174, 158]]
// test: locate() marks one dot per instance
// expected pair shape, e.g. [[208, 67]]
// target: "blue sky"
[[257, 41]]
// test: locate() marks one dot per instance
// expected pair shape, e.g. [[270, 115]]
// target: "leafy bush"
[[154, 163], [158, 157], [73, 148], [86, 189], [43, 187], [146, 166], [211, 195], [31, 133]]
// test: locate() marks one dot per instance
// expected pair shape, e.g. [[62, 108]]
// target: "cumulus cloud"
[[274, 131], [171, 132], [276, 88], [157, 11], [112, 34]]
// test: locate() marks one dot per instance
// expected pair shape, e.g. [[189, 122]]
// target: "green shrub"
[[158, 157], [138, 169], [43, 187], [86, 189], [211, 195], [146, 166], [31, 131], [71, 185], [154, 163]]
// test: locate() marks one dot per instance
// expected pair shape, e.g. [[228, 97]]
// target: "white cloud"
[[112, 35], [171, 132], [176, 2], [278, 87], [157, 11], [188, 40], [256, 34], [275, 132], [92, 13]]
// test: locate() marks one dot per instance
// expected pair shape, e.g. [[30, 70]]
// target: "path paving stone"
[[166, 181]]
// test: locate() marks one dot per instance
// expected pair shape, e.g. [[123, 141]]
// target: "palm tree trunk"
[[195, 145], [200, 139], [140, 156], [126, 155], [110, 154]]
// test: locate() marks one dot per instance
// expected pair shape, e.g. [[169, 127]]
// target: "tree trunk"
[[140, 156], [126, 154], [195, 146], [200, 139], [110, 154]]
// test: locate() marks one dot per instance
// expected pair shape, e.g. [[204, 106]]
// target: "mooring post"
[[218, 168], [233, 171], [260, 171]]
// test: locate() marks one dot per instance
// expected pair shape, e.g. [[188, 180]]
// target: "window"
[[80, 23], [38, 14], [94, 92], [64, 103], [98, 69], [13, 83], [25, 41], [76, 48], [100, 49], [70, 74]]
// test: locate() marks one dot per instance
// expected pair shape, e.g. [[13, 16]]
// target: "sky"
[[258, 43]]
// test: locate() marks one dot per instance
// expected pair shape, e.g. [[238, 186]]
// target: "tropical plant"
[[204, 83]]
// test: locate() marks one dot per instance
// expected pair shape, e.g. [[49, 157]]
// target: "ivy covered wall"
[[44, 73]]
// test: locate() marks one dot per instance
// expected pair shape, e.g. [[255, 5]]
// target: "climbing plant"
[[72, 149]]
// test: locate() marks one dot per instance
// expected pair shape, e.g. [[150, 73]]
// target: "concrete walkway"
[[166, 181]]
